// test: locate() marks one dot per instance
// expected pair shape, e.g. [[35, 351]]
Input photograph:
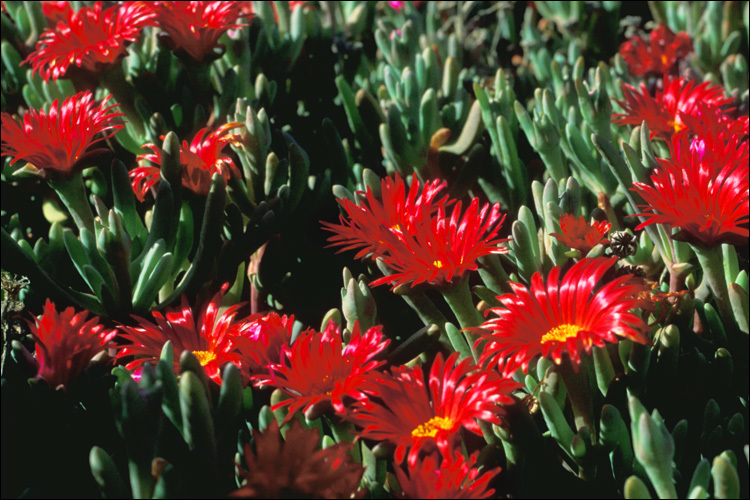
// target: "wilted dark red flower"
[[196, 26], [665, 114], [90, 38], [66, 342], [659, 55], [579, 234], [208, 337], [200, 161], [59, 140], [419, 415], [702, 189], [559, 317], [259, 341], [318, 368], [296, 468], [452, 478], [413, 236]]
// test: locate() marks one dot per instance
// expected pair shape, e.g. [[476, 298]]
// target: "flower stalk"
[[458, 297], [579, 392], [116, 84], [712, 262], [72, 192]]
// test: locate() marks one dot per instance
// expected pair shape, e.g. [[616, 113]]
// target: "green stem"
[[458, 297], [72, 192], [429, 314], [605, 372], [487, 432], [343, 432], [199, 77], [114, 81], [493, 275], [712, 262], [579, 392]]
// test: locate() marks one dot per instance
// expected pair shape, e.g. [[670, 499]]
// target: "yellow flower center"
[[561, 333], [664, 59], [204, 357], [677, 126], [396, 226], [438, 264], [432, 426]]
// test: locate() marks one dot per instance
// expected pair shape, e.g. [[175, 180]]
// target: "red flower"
[[196, 26], [396, 211], [659, 55], [209, 338], [58, 140], [200, 160], [90, 38], [702, 189], [297, 468], [665, 114], [579, 234], [453, 478], [66, 342], [414, 237], [440, 249], [259, 341], [562, 316], [318, 368], [416, 415], [56, 12]]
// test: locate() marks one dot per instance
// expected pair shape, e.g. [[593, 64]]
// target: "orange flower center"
[[664, 59], [560, 333], [432, 426], [677, 126], [204, 357], [438, 264], [327, 382], [711, 218]]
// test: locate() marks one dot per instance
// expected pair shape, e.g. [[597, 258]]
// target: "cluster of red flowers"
[[418, 233], [94, 38], [420, 416], [703, 187], [412, 234], [252, 342], [57, 141]]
